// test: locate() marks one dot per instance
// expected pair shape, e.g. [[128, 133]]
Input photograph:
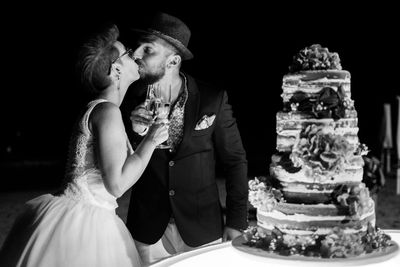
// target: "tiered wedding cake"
[[314, 202]]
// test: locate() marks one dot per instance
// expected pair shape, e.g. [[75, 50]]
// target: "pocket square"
[[205, 122]]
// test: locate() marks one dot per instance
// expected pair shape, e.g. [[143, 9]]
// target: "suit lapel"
[[191, 111]]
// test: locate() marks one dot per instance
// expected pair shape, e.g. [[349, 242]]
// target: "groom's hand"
[[141, 119], [230, 234]]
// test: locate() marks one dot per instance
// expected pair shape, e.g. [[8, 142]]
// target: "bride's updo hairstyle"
[[95, 59]]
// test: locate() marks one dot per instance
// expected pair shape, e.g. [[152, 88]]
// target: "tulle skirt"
[[59, 231]]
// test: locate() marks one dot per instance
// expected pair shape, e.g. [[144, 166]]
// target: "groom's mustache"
[[139, 62]]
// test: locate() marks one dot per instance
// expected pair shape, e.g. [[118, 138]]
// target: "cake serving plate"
[[374, 257]]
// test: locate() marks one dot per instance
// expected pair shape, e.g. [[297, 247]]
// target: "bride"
[[79, 227]]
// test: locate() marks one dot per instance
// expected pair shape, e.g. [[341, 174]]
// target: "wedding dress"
[[78, 227]]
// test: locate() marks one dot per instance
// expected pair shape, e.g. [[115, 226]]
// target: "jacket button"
[[171, 193], [171, 163]]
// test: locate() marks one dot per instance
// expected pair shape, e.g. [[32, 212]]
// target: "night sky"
[[243, 48]]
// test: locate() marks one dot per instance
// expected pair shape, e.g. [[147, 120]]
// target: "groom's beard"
[[148, 77]]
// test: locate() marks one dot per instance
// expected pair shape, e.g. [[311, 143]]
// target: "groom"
[[175, 205]]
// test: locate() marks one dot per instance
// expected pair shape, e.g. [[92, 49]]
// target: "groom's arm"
[[233, 157]]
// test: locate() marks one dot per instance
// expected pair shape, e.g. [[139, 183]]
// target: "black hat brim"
[[183, 50]]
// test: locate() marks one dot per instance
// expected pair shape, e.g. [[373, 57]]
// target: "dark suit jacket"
[[182, 184]]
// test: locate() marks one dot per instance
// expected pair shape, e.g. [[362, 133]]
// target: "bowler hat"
[[172, 30]]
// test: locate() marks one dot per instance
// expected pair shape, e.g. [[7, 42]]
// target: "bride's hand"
[[141, 119], [158, 131]]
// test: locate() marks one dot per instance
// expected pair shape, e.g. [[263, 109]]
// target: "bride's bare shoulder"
[[105, 114]]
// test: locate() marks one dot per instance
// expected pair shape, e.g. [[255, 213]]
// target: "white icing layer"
[[311, 82], [348, 132], [298, 188], [285, 141], [313, 88], [296, 123], [277, 215], [354, 174]]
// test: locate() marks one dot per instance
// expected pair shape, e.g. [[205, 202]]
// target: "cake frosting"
[[314, 202]]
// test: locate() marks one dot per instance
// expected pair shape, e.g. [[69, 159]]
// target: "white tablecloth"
[[225, 255]]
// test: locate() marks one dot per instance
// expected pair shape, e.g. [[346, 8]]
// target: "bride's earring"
[[118, 76], [119, 82]]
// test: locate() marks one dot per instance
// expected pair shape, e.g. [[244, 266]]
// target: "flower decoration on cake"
[[336, 244], [329, 103], [362, 150], [356, 198], [341, 245], [315, 57], [283, 159], [262, 196], [322, 150], [375, 239]]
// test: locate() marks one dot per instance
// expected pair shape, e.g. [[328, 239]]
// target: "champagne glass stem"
[[170, 94], [148, 96]]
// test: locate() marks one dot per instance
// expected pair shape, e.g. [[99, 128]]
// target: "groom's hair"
[[95, 59]]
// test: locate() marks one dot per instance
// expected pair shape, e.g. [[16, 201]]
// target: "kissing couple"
[[175, 205]]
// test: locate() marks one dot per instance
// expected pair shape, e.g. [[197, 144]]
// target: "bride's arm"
[[119, 169]]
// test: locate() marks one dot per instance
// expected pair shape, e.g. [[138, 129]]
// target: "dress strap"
[[90, 106], [85, 121]]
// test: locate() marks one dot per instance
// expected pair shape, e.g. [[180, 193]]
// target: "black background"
[[245, 48]]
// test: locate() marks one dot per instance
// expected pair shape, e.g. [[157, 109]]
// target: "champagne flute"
[[159, 105], [162, 109], [149, 101]]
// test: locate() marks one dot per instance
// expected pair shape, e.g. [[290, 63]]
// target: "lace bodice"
[[83, 176]]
